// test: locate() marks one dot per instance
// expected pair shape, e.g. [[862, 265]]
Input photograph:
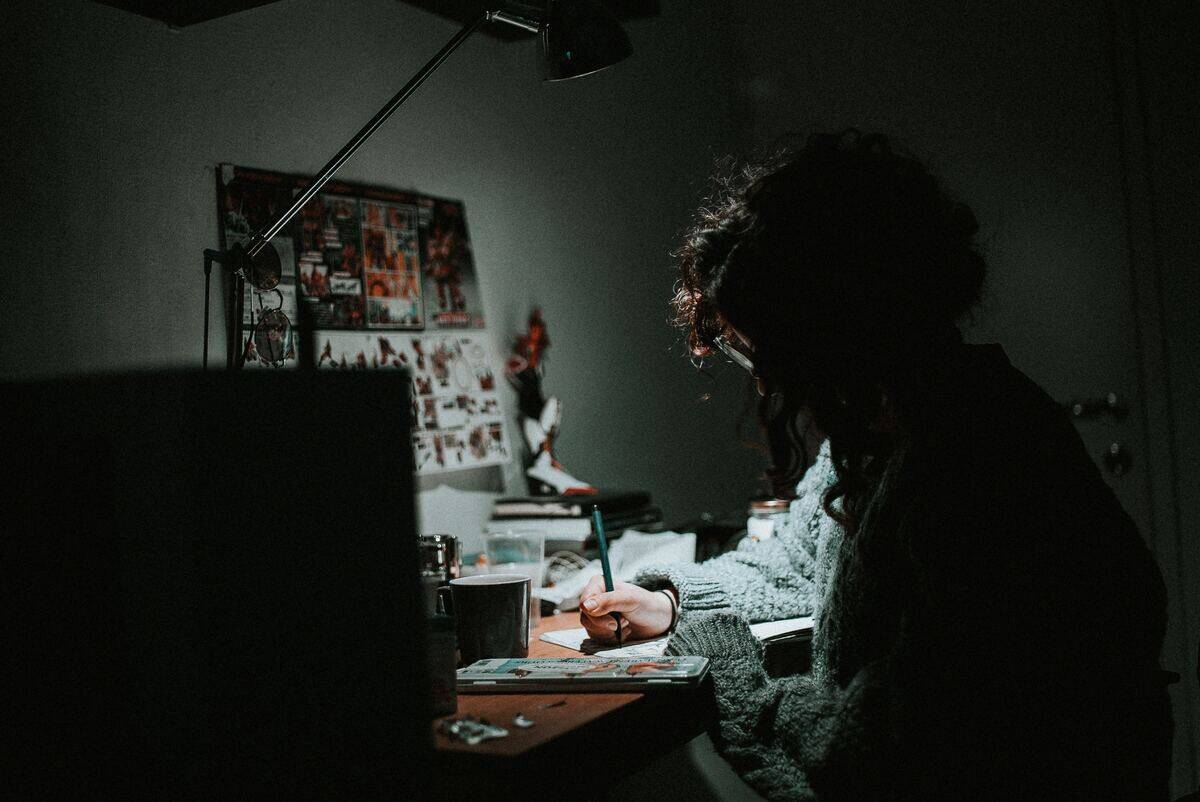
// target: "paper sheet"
[[777, 630], [578, 640]]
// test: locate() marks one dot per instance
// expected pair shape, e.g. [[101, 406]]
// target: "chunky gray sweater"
[[784, 576], [991, 631]]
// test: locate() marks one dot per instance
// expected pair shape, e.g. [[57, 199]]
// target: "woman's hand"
[[644, 613]]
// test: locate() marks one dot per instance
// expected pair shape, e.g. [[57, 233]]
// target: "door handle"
[[1117, 459], [1110, 405]]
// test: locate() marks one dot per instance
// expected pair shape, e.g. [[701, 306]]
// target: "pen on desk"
[[598, 526]]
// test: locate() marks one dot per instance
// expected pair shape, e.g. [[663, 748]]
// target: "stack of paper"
[[566, 521]]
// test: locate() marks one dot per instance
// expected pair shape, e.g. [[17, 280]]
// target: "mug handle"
[[446, 600]]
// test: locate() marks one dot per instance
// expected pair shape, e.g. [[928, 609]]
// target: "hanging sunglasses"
[[741, 355], [271, 341]]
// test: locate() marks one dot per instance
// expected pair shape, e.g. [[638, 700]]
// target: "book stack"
[[567, 520]]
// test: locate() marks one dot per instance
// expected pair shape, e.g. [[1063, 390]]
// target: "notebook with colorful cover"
[[582, 674]]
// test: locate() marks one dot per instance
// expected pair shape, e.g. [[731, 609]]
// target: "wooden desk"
[[619, 731]]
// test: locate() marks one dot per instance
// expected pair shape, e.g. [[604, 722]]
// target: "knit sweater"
[[784, 576], [991, 630]]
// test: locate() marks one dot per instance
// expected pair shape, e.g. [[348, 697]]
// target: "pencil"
[[598, 525]]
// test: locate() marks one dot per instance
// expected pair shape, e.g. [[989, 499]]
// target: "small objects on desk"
[[471, 730], [559, 703], [522, 722]]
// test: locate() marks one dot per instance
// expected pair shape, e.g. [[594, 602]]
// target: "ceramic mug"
[[491, 615]]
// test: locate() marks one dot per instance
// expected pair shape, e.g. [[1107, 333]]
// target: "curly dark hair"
[[846, 266]]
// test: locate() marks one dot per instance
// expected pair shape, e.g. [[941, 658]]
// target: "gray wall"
[[574, 192]]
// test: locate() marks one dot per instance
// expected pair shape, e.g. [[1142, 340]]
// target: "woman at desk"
[[988, 620]]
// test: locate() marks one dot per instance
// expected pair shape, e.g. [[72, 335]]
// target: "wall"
[[574, 192]]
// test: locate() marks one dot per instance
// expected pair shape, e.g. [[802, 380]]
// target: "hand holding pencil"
[[605, 564], [601, 596], [644, 614]]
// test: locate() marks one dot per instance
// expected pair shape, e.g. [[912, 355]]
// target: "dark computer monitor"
[[210, 585]]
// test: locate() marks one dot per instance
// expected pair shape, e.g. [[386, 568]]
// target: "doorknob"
[[1094, 407], [1117, 459]]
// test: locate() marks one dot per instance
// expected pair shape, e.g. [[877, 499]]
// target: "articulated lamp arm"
[[568, 28]]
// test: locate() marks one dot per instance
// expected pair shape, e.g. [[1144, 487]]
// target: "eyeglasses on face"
[[741, 355]]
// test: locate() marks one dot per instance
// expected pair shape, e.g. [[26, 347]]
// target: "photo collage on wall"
[[388, 280]]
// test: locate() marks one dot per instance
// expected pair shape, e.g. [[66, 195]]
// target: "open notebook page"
[[578, 640]]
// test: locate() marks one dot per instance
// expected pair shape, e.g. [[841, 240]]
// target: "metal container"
[[441, 555], [766, 517]]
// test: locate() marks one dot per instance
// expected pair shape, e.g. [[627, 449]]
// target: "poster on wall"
[[457, 421], [389, 278], [362, 257], [451, 290], [392, 266], [331, 264]]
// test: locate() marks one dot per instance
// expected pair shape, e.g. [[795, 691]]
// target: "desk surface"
[[554, 752], [552, 720]]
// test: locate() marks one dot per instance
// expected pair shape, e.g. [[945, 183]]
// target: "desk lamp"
[[578, 37]]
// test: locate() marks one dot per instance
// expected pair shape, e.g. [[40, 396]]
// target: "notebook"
[[581, 674], [766, 631]]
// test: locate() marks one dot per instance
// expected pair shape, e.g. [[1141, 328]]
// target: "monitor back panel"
[[212, 585]]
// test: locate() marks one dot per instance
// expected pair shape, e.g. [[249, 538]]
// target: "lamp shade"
[[580, 37]]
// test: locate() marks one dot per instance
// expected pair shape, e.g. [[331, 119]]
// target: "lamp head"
[[580, 37]]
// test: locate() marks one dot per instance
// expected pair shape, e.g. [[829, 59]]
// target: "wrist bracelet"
[[674, 608]]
